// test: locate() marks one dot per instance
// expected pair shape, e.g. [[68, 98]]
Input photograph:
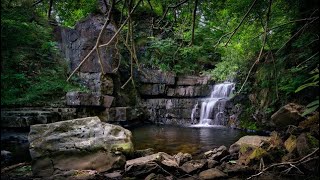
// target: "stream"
[[174, 139]]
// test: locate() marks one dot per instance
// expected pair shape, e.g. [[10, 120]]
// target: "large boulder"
[[78, 144], [251, 141], [287, 115]]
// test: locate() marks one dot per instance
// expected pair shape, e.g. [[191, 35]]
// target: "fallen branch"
[[123, 24], [113, 37], [262, 47], [301, 29], [154, 163], [9, 168], [95, 48], [289, 22], [171, 7], [235, 30], [291, 164]]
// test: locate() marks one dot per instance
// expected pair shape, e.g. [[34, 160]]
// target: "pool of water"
[[174, 139]]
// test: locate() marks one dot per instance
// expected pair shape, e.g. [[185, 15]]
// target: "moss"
[[244, 148], [291, 143], [126, 148], [257, 154], [312, 141]]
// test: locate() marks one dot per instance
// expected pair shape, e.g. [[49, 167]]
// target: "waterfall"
[[193, 112], [212, 109]]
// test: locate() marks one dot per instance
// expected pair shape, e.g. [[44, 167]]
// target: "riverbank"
[[289, 154]]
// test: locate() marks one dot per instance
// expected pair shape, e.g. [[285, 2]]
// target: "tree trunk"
[[194, 20], [50, 9]]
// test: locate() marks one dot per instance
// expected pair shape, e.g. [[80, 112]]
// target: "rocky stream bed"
[[87, 148]]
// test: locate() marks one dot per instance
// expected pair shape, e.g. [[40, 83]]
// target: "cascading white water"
[[212, 109]]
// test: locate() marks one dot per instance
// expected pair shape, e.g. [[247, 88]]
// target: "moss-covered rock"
[[291, 144]]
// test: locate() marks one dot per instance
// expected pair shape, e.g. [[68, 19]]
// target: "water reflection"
[[174, 139]]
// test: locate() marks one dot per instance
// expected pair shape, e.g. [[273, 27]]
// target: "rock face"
[[286, 115], [76, 43], [79, 144], [170, 99]]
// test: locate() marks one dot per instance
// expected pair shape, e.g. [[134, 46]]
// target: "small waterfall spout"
[[212, 109], [193, 112]]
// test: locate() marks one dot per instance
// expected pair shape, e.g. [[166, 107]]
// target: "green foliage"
[[32, 72], [169, 56], [68, 12]]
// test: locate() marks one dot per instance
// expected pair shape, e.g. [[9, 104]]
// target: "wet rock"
[[194, 166], [181, 158], [145, 165], [78, 144], [253, 141], [287, 115], [217, 154], [212, 174]]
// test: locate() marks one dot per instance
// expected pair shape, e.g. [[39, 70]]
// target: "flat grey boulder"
[[78, 144], [252, 141]]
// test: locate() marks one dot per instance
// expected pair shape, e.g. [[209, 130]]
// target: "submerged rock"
[[78, 144]]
